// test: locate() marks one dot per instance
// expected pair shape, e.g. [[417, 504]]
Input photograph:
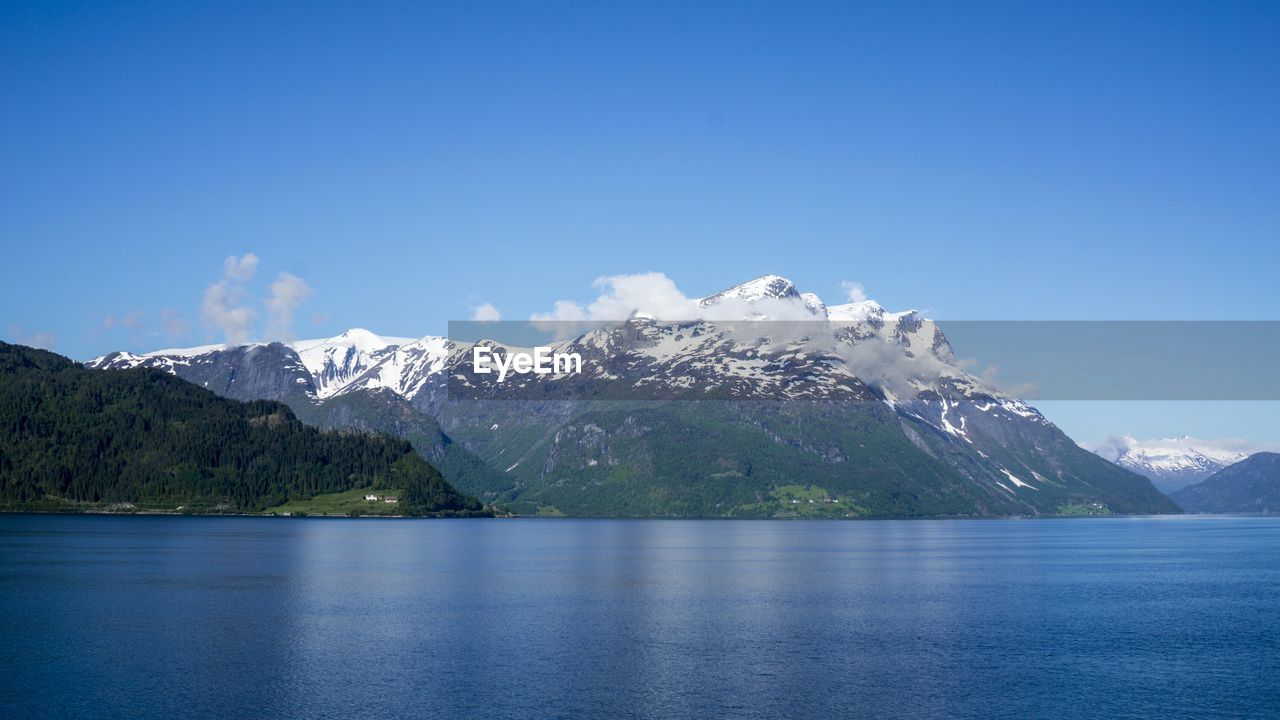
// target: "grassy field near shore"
[[350, 502]]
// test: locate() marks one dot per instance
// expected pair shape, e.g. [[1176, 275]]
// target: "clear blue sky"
[[409, 161]]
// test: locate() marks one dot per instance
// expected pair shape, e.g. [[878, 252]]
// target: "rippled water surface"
[[151, 617]]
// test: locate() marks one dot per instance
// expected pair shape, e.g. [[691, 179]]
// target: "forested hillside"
[[72, 438]]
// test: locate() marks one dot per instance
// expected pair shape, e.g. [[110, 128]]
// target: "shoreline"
[[170, 513]]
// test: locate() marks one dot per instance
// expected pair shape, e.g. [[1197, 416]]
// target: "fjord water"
[[151, 617]]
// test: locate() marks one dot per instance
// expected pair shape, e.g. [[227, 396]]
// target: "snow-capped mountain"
[[336, 362], [362, 360], [865, 402], [1170, 463], [355, 359], [765, 287]]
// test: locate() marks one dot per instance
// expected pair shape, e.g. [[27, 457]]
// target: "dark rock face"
[[247, 372]]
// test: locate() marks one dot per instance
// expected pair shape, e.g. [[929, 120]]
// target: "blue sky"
[[410, 161]]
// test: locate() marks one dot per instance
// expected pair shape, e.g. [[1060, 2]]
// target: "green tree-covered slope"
[[718, 459], [77, 438]]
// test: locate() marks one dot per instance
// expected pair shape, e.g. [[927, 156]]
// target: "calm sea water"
[[151, 617]]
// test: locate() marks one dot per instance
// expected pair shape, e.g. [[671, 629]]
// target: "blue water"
[[157, 617]]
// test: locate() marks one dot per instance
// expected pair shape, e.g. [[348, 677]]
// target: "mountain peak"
[[861, 311], [357, 334], [761, 288], [359, 338]]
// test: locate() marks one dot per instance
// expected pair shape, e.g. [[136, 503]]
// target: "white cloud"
[[222, 310], [241, 269], [622, 296], [222, 307], [650, 293], [853, 291], [287, 293], [485, 312], [656, 295], [884, 365], [227, 307], [563, 311]]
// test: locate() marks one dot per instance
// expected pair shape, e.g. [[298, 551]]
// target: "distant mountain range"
[[841, 410], [1170, 463], [1249, 486]]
